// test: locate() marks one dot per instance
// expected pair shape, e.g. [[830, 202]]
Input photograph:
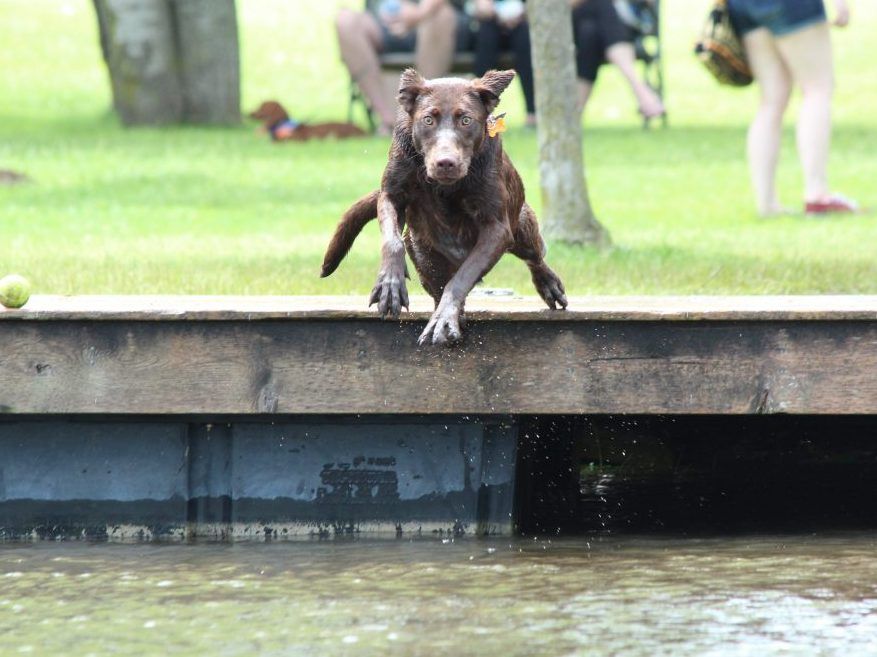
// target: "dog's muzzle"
[[446, 169]]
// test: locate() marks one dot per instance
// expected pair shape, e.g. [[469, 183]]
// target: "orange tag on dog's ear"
[[496, 124]]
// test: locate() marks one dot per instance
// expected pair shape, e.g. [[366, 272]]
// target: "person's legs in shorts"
[[765, 132], [788, 42], [623, 56], [589, 54], [437, 37], [601, 28], [619, 51], [360, 39], [808, 56]]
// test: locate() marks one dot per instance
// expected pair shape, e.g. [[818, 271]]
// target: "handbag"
[[720, 51]]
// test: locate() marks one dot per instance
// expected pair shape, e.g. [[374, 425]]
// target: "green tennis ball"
[[14, 291]]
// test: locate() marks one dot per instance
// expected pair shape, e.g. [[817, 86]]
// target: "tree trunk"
[[207, 43], [171, 61], [566, 209], [141, 56], [104, 35], [103, 32]]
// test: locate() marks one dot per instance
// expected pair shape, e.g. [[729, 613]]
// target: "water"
[[781, 595]]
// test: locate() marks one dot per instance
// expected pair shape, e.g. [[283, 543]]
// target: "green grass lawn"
[[222, 211]]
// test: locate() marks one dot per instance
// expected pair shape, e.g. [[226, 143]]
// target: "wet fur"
[[454, 230]]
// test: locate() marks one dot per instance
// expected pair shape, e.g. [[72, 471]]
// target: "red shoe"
[[834, 204]]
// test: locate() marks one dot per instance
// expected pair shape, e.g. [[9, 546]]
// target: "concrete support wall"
[[160, 478]]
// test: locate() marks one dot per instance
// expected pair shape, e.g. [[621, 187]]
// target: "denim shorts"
[[781, 17], [408, 42]]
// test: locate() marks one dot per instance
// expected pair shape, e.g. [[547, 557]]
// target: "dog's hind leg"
[[530, 248]]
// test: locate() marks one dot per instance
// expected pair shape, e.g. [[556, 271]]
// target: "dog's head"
[[270, 113], [448, 118]]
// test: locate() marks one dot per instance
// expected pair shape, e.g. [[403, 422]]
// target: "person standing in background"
[[788, 43]]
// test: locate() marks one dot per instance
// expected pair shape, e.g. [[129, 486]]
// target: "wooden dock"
[[285, 416], [327, 355]]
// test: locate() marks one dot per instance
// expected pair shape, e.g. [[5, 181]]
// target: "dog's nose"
[[446, 165]]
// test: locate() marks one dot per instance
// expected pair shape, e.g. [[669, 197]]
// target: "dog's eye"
[[428, 120], [466, 120]]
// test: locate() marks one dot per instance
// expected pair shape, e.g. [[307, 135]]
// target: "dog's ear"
[[259, 112], [491, 85], [411, 85]]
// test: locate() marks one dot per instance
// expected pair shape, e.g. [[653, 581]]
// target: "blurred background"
[[222, 210]]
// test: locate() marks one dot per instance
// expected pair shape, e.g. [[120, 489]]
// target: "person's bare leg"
[[807, 54], [436, 41], [623, 56], [585, 87], [765, 133], [359, 39]]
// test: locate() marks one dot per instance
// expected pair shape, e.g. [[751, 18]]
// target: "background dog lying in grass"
[[452, 189], [277, 122]]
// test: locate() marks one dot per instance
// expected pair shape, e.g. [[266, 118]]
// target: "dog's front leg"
[[444, 325], [390, 292]]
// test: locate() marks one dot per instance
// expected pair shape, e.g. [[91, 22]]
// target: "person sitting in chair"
[[502, 25], [600, 35], [432, 29]]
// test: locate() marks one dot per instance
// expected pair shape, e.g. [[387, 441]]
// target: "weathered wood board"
[[482, 304], [319, 356]]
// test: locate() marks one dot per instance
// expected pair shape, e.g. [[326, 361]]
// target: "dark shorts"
[[596, 27], [781, 17], [408, 42]]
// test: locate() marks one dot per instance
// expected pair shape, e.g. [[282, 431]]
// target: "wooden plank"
[[327, 364], [481, 305]]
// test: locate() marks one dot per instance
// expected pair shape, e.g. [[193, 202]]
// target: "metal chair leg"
[[357, 97]]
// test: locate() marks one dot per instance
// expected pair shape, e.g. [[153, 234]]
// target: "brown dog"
[[275, 121], [459, 198]]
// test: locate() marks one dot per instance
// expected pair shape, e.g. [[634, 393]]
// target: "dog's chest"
[[449, 228], [453, 248]]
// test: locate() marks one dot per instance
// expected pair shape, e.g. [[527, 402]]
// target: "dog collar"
[[283, 129], [496, 125]]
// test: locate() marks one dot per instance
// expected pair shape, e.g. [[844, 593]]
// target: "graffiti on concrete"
[[365, 480]]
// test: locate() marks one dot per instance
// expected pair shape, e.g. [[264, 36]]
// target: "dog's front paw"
[[550, 288], [443, 327], [391, 295]]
